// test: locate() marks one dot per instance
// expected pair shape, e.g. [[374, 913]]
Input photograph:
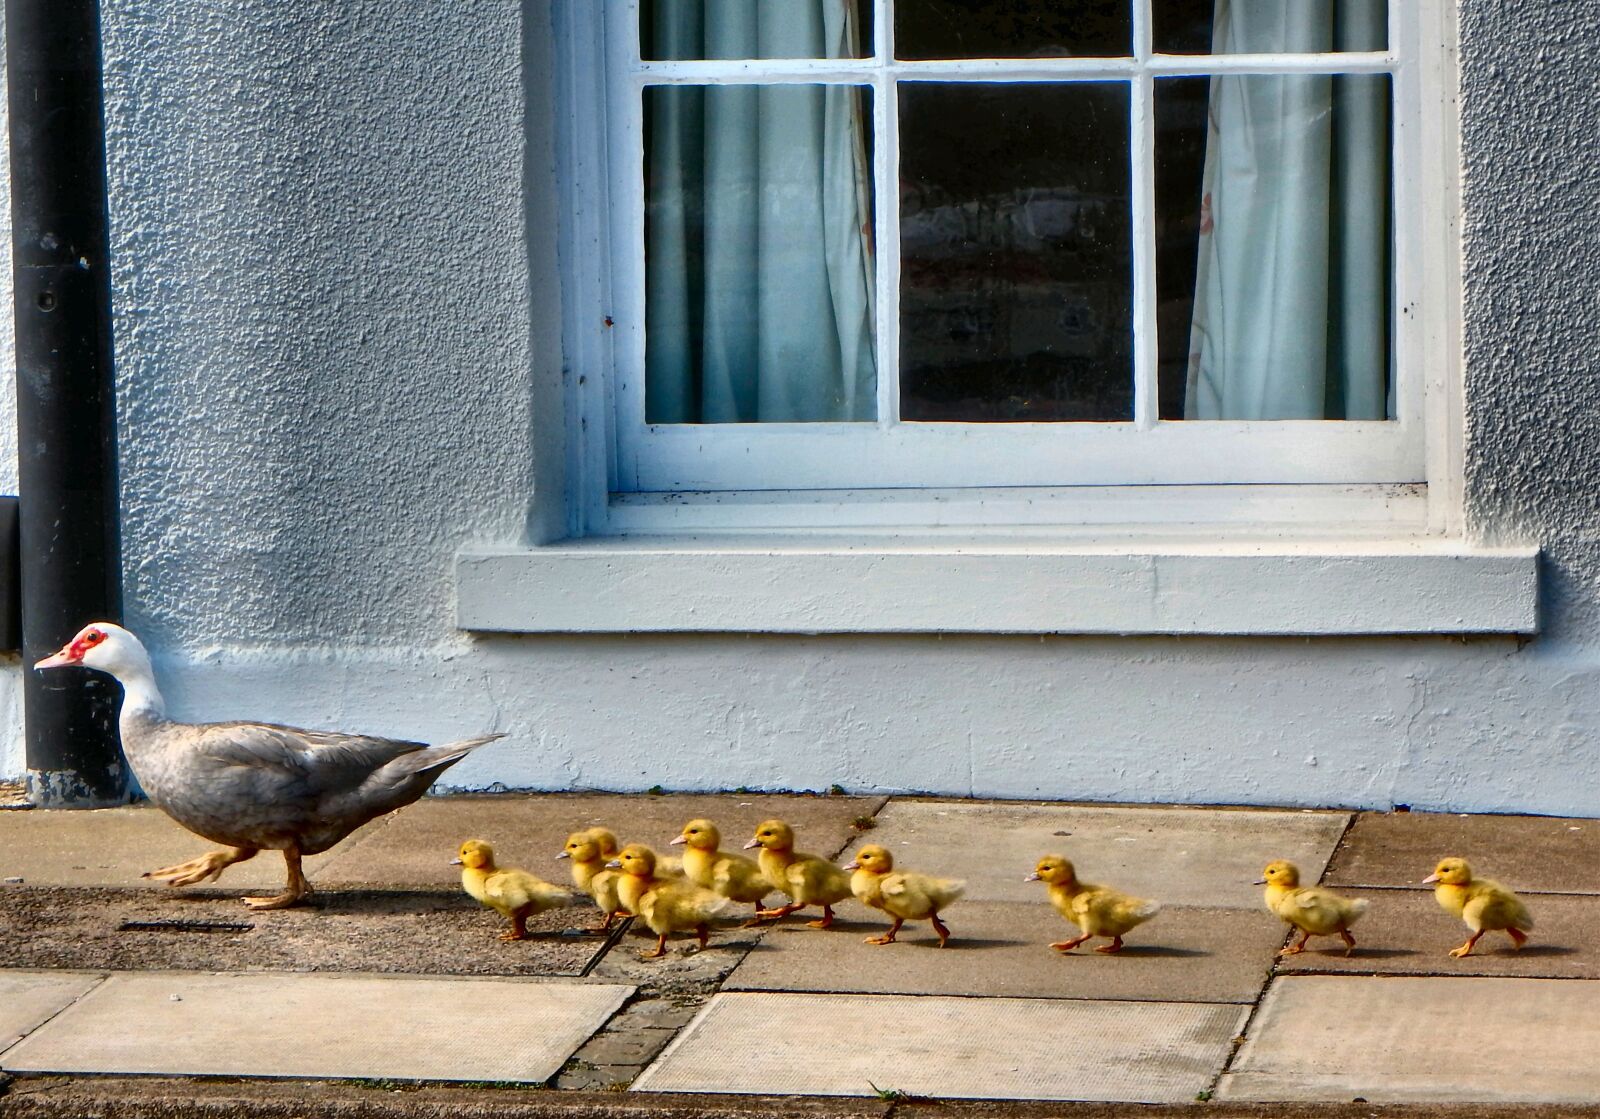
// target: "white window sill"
[[797, 584]]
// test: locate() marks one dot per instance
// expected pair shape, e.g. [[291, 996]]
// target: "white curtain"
[[757, 255], [1292, 284]]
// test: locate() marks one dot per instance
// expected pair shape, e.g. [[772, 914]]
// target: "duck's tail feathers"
[[436, 758], [1146, 910], [1358, 906]]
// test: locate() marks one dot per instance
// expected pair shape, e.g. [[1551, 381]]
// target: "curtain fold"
[[758, 216], [1292, 280]]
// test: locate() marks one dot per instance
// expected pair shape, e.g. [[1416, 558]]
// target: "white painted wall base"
[[1433, 723]]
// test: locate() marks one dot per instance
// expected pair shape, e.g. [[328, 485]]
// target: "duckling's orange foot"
[[827, 919], [1464, 950], [1068, 945], [1292, 950], [513, 934], [1114, 946], [879, 940]]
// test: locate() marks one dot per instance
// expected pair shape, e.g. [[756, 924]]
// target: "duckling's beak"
[[564, 855], [615, 864], [1259, 882], [455, 862], [1430, 878], [752, 843], [1034, 877], [851, 866], [679, 841]]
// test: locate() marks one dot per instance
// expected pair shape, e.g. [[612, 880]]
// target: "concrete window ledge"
[[793, 585]]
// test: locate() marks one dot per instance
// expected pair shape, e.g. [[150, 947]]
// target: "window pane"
[[1273, 209], [1269, 26], [691, 29], [926, 29], [758, 254], [1015, 258]]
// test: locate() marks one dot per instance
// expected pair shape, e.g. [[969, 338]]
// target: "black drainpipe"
[[71, 568]]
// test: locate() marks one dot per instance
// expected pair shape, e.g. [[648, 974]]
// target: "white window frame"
[[1359, 477]]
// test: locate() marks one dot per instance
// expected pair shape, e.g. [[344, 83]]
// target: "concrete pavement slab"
[[1421, 1040], [842, 1045], [28, 999], [320, 1026], [113, 846], [1002, 948], [434, 933], [528, 831], [1527, 853], [1406, 933], [1178, 856]]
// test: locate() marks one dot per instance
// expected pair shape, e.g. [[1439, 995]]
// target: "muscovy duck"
[[253, 786]]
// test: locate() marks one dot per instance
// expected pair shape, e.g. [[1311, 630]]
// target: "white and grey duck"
[[253, 786]]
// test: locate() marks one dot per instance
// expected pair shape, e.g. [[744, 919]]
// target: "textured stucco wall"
[[338, 313]]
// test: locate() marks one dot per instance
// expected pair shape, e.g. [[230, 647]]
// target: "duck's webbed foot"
[[207, 866], [297, 890]]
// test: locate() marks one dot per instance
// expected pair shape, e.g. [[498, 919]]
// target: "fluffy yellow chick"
[[514, 894], [588, 852], [1484, 904], [1096, 910], [1311, 909], [732, 876], [807, 879], [668, 905], [903, 895]]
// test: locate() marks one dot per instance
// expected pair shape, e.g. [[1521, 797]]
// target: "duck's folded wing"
[[288, 760]]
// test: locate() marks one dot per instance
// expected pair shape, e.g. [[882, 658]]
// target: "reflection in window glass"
[[1269, 26], [925, 29], [758, 254], [1015, 257], [1288, 247], [690, 29]]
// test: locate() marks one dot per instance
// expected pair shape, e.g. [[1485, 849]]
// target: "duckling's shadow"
[[1358, 954], [1538, 951], [1150, 951], [968, 942]]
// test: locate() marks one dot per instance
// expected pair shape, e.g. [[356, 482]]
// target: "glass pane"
[[1015, 260], [1273, 204], [1269, 26], [926, 29], [698, 29], [758, 254]]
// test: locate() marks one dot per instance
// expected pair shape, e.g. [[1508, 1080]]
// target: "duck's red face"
[[75, 650]]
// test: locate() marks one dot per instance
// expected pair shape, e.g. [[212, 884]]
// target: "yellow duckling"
[[1311, 909], [668, 905], [1096, 910], [1484, 904], [807, 879], [903, 895], [589, 853], [514, 894], [733, 876]]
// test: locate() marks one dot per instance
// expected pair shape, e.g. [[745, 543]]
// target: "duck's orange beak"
[[1034, 877], [455, 862], [752, 843], [564, 855], [59, 660], [679, 841], [1431, 878]]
